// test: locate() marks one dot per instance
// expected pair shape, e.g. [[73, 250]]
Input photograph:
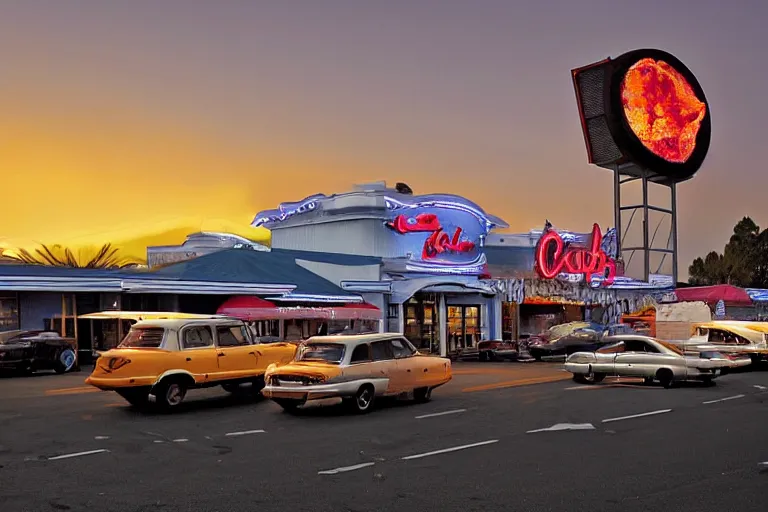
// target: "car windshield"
[[327, 352], [558, 331], [143, 337]]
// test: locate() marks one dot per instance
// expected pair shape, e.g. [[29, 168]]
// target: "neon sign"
[[555, 257], [438, 242]]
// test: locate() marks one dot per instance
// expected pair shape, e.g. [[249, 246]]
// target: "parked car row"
[[161, 359]]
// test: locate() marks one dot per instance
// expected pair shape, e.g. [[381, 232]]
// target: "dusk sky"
[[119, 119]]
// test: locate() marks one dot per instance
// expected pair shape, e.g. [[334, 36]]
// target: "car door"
[[237, 357], [639, 359], [415, 368], [384, 365], [198, 352]]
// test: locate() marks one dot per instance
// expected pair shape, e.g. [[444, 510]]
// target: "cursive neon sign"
[[438, 242], [555, 257]]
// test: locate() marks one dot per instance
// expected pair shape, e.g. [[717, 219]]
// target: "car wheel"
[[65, 361], [483, 356], [588, 378], [288, 405], [138, 397], [665, 377], [169, 394], [648, 380], [422, 395], [363, 399]]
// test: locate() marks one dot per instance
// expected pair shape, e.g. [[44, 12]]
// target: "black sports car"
[[29, 351], [574, 337]]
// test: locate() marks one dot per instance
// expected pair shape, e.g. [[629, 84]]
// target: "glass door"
[[463, 327]]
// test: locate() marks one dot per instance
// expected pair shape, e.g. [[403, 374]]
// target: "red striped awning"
[[250, 308]]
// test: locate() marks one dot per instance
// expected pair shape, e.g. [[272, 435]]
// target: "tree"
[[105, 257], [743, 262]]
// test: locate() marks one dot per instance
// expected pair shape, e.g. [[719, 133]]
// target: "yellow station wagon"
[[160, 359]]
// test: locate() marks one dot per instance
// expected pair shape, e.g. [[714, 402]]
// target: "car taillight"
[[116, 363]]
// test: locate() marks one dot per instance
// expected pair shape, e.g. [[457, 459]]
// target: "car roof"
[[177, 323], [354, 339], [628, 337]]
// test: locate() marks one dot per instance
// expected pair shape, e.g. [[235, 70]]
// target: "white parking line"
[[456, 411], [723, 399], [580, 387], [564, 426], [180, 440], [345, 469], [78, 454], [243, 433], [652, 413], [761, 388], [448, 450]]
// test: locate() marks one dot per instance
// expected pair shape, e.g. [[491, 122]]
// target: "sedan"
[[357, 369], [649, 358]]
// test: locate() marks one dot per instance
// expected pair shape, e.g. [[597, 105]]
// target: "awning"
[[143, 315], [712, 294], [250, 308]]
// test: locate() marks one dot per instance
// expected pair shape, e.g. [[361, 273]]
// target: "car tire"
[[666, 378], [170, 393], [137, 397], [363, 400], [288, 404], [483, 357], [65, 361], [422, 395], [588, 378]]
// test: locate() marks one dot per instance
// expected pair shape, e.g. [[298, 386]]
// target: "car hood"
[[306, 369]]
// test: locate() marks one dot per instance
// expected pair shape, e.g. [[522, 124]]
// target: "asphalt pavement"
[[516, 437]]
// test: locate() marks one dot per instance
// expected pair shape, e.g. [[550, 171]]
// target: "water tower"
[[646, 119]]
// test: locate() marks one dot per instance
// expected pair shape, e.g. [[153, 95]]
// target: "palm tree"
[[107, 257]]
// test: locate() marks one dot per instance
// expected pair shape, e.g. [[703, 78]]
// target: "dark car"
[[566, 339], [29, 351], [497, 350]]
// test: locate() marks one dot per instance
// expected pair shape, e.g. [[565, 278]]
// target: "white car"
[[652, 359]]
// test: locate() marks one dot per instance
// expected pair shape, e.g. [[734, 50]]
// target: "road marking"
[[652, 413], [78, 454], [723, 399], [71, 391], [101, 438], [448, 450], [243, 433], [516, 383], [581, 387], [564, 426], [345, 469], [180, 440], [456, 411], [158, 441], [760, 387]]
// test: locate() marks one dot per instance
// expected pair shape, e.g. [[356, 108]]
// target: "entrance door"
[[463, 327], [421, 321]]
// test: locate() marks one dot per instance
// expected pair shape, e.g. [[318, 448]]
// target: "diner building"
[[447, 279]]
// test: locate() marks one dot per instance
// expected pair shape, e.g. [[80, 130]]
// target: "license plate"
[[286, 394]]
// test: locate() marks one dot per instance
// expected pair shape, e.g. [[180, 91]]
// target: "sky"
[[130, 118]]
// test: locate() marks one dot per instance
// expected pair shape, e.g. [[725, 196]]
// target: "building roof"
[[226, 272], [351, 260], [254, 267]]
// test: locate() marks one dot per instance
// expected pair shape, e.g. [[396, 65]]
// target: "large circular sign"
[[658, 113]]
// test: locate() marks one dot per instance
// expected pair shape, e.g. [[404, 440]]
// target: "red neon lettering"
[[573, 260], [438, 241]]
